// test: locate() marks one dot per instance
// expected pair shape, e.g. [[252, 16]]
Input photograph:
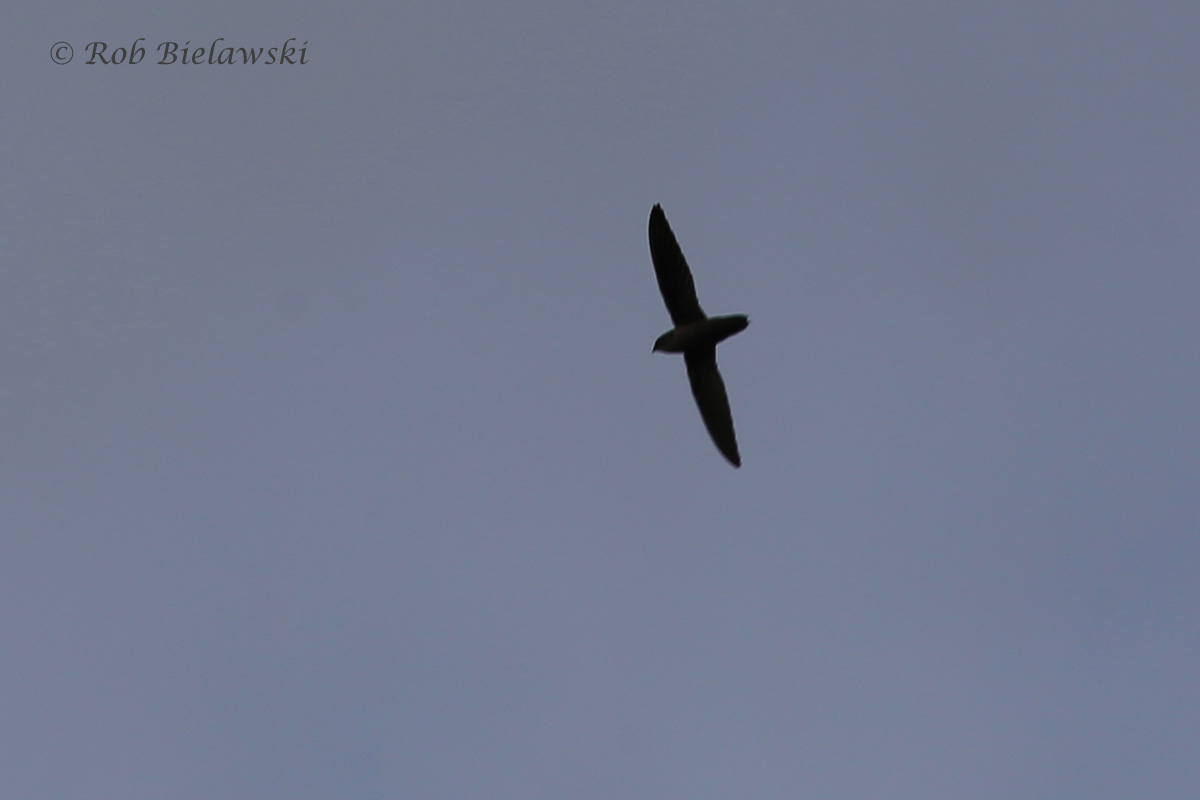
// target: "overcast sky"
[[335, 462]]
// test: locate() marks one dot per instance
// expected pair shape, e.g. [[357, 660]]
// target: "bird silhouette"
[[695, 334]]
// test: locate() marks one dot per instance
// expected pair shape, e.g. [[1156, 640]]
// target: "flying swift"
[[695, 334]]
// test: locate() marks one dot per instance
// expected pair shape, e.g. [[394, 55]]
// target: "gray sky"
[[334, 461]]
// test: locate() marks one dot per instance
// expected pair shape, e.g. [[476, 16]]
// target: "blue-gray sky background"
[[334, 461]]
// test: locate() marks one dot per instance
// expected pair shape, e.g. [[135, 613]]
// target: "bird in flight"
[[695, 334]]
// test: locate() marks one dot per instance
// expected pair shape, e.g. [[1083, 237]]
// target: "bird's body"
[[695, 334], [708, 332]]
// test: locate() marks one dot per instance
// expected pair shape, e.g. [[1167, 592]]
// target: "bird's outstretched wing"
[[674, 277], [709, 391]]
